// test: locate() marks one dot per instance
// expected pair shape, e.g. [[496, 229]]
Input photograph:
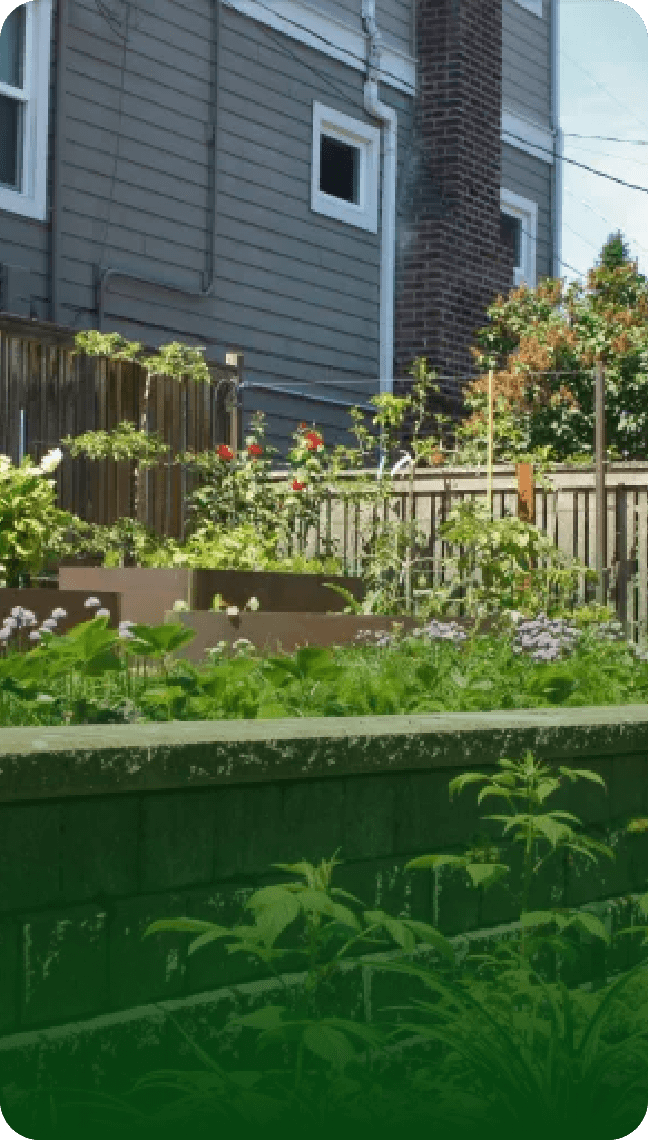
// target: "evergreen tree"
[[615, 252]]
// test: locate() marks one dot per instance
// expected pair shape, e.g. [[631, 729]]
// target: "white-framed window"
[[24, 108], [519, 230], [534, 6], [345, 165]]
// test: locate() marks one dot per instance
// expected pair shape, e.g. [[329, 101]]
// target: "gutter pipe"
[[388, 117], [557, 173]]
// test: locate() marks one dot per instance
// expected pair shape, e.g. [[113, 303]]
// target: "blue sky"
[[603, 91]]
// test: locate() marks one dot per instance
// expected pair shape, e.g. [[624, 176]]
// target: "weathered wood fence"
[[567, 513], [47, 392]]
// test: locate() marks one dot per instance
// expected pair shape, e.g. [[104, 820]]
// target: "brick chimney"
[[450, 260]]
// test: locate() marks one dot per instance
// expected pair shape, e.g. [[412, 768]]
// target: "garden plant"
[[511, 1038], [95, 674]]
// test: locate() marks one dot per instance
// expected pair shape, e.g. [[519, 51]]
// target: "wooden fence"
[[566, 513], [47, 393]]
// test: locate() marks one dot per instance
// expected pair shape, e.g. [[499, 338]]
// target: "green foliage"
[[507, 564], [543, 344], [32, 528], [123, 443], [175, 359]]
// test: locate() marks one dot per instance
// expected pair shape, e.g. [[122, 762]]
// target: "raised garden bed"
[[286, 632], [147, 593]]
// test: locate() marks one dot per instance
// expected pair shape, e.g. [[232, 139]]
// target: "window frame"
[[366, 139], [534, 6], [527, 211], [31, 199]]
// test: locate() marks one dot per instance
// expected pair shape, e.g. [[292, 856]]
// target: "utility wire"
[[605, 138], [604, 89], [317, 36], [573, 162], [589, 206], [606, 154]]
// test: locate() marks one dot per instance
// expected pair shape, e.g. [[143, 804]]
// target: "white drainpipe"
[[388, 118]]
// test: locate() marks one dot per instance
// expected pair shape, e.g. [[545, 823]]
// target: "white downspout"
[[388, 118], [557, 268]]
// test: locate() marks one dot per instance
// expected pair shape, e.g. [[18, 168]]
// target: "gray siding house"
[[266, 177]]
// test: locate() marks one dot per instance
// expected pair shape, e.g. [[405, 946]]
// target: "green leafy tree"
[[543, 344]]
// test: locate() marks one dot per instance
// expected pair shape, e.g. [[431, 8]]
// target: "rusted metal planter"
[[42, 602], [147, 593], [277, 632]]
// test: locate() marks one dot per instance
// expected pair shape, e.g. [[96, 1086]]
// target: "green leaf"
[[268, 1017], [399, 931], [591, 924], [486, 874], [276, 909], [184, 925], [329, 1044], [434, 861], [162, 639]]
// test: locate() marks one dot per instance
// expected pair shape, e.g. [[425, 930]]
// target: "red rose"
[[254, 449], [224, 452], [297, 486]]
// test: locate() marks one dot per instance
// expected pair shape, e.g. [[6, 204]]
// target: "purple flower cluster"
[[541, 638]]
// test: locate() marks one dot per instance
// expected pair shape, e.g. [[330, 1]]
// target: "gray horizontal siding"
[[526, 61], [395, 22], [393, 17], [531, 177], [134, 185]]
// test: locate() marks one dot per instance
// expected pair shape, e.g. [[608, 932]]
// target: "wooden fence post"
[[526, 498]]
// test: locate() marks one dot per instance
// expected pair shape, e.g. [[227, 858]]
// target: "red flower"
[[224, 452], [297, 486], [254, 449], [313, 440]]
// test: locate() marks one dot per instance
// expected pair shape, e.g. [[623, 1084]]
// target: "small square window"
[[340, 169], [345, 166]]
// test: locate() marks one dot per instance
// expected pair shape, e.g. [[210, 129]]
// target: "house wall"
[[526, 61], [531, 178], [298, 293], [393, 17]]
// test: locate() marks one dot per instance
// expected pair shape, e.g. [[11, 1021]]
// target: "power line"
[[606, 154], [589, 206], [603, 88], [582, 165], [316, 35], [605, 138]]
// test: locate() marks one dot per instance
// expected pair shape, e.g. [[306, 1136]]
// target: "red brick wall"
[[450, 264]]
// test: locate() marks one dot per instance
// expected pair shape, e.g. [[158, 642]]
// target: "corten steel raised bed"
[[42, 602], [285, 632], [147, 593]]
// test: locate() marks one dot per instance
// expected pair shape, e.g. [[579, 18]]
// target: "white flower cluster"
[[47, 464], [20, 618], [545, 639]]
